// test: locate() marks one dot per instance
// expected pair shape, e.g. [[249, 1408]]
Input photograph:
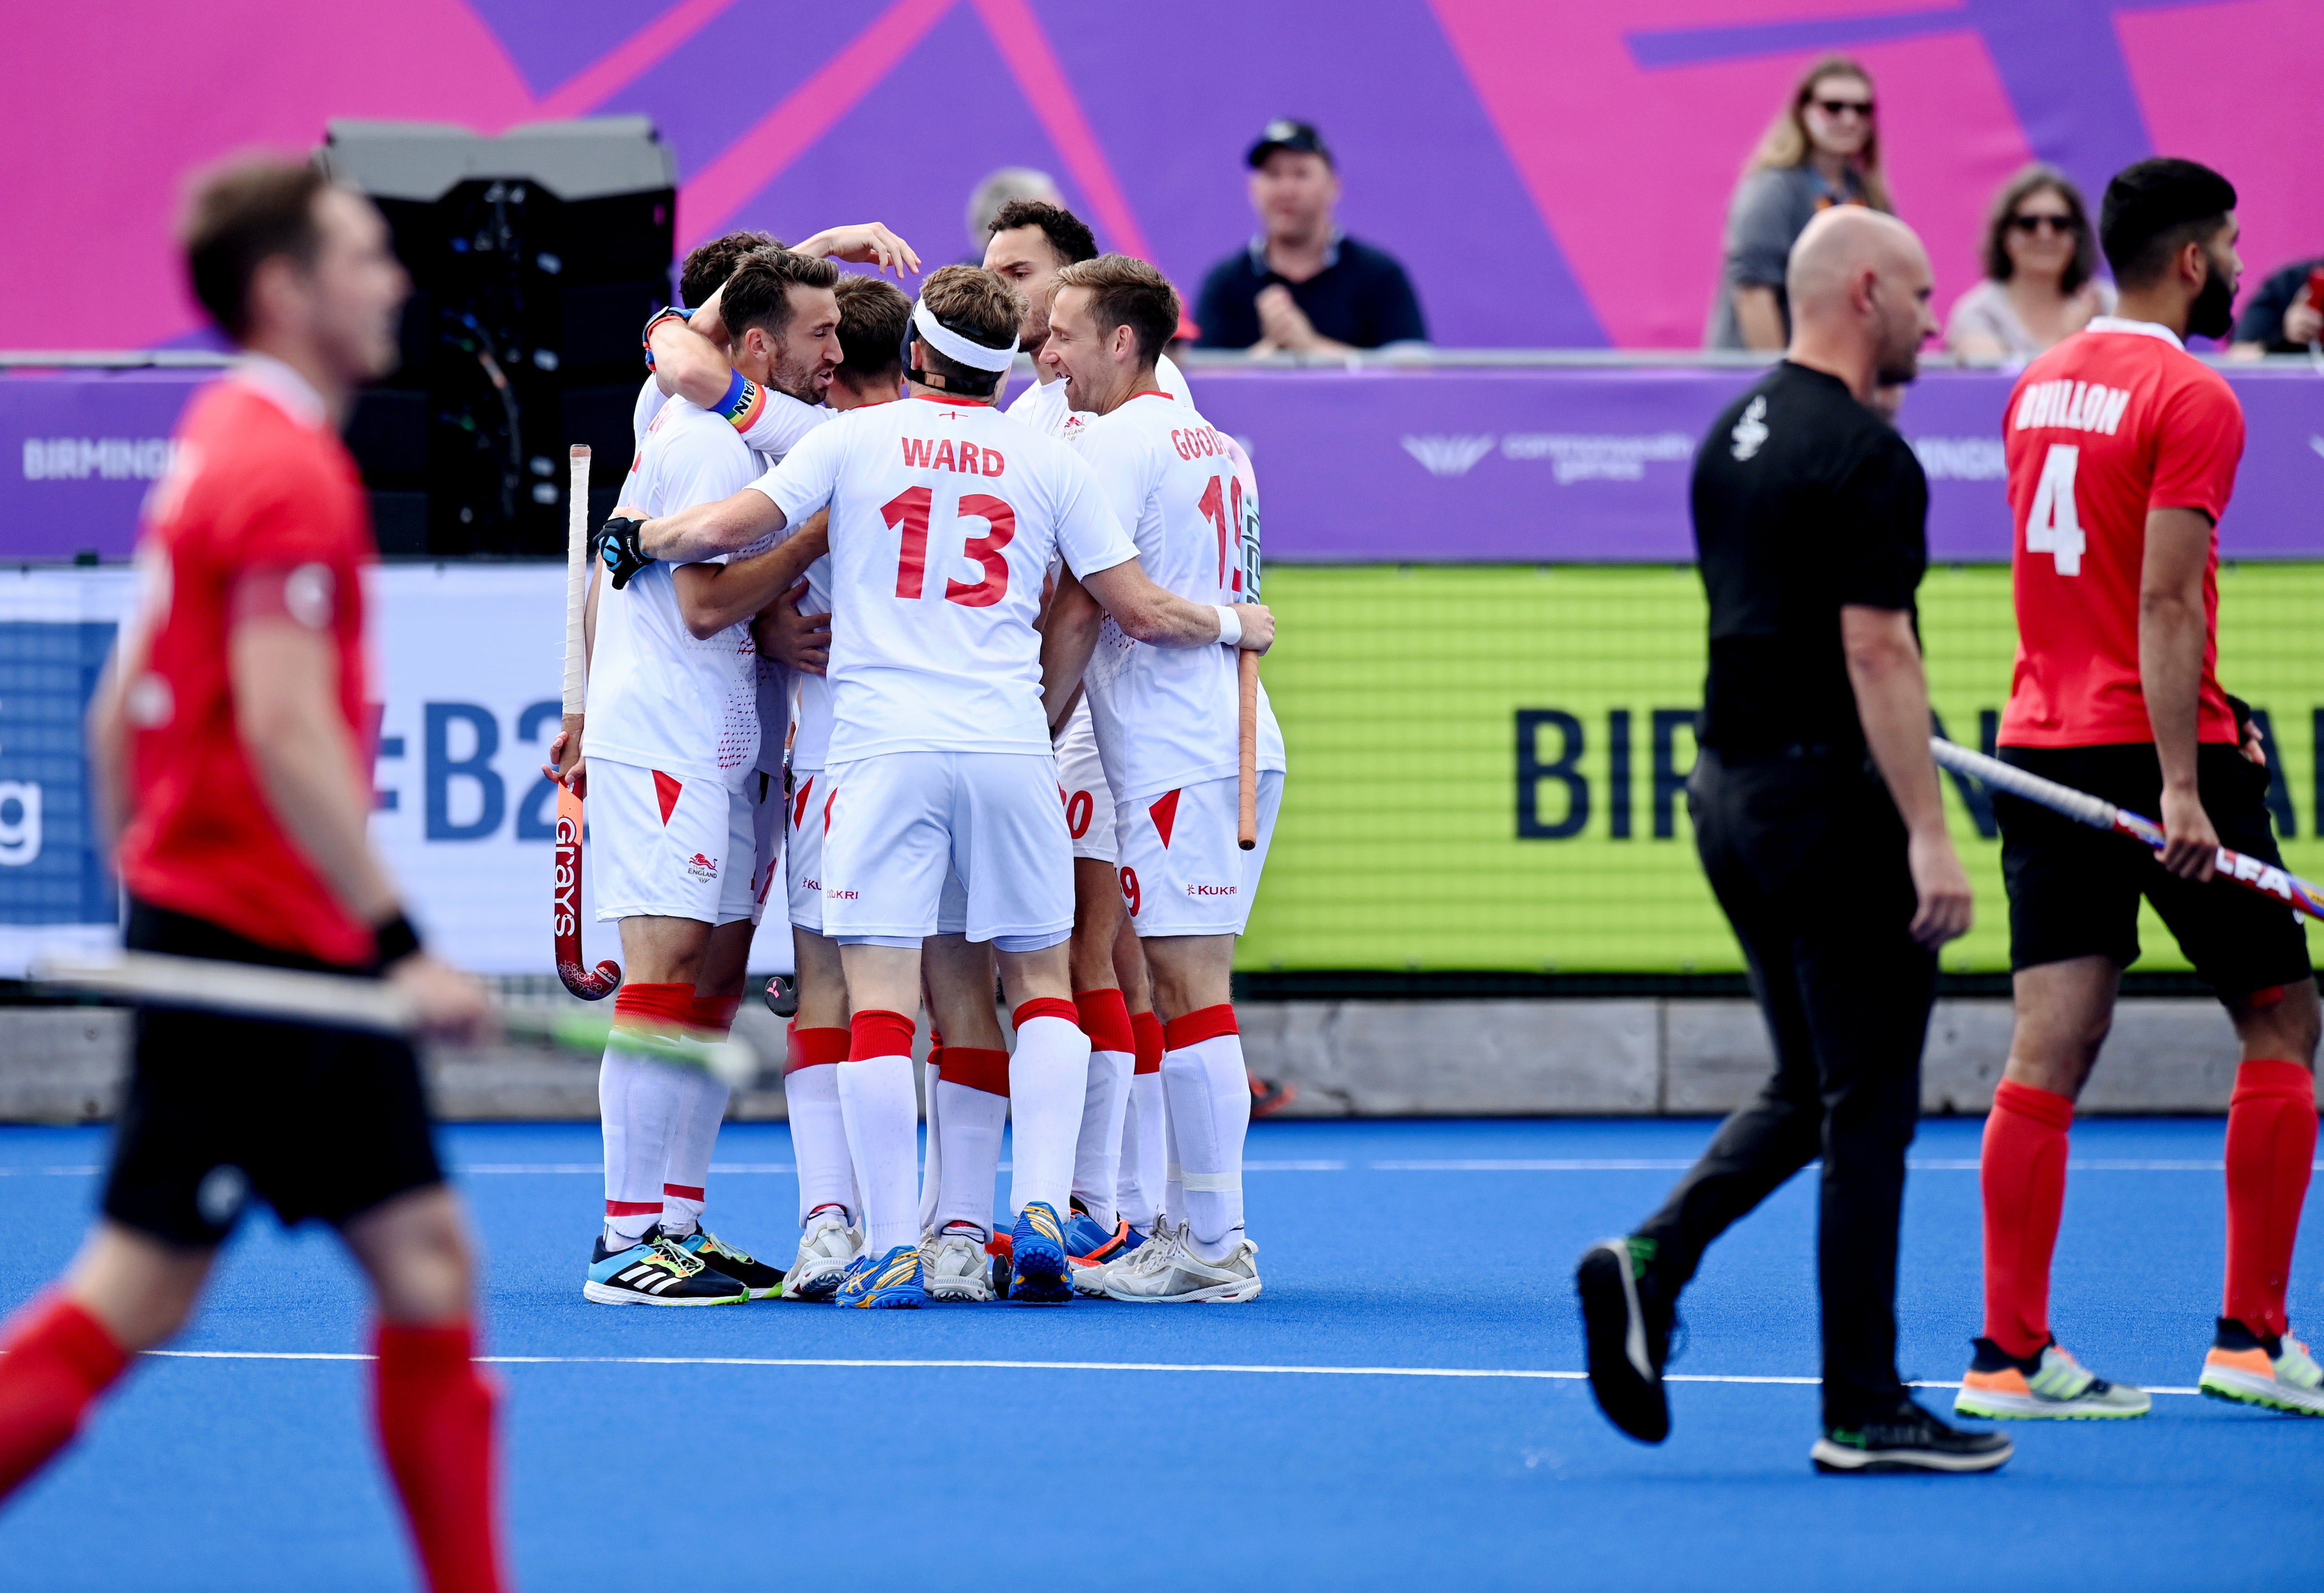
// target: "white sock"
[[1210, 1107], [973, 1120], [883, 1111], [932, 1158], [1174, 1176], [1138, 1189], [1097, 1151], [1048, 1076], [693, 1136], [827, 1170], [637, 1105]]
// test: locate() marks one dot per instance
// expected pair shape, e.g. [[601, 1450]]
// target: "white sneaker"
[[827, 1249], [954, 1266], [1180, 1277]]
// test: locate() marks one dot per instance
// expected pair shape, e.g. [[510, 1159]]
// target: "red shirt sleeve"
[[2199, 441]]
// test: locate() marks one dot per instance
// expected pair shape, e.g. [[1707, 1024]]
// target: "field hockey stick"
[[1245, 492], [332, 1001], [591, 984], [2098, 812]]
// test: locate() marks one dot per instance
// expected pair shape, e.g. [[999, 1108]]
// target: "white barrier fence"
[[466, 667]]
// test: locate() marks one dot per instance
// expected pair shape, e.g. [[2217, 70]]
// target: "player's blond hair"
[[1125, 291], [982, 305]]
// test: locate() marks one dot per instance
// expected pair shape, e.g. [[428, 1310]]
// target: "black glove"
[[617, 546]]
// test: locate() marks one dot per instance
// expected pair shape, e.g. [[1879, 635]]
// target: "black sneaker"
[[1625, 1325], [763, 1281], [1908, 1438], [656, 1272]]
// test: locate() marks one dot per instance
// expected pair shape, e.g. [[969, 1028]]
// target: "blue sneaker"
[[1088, 1241], [891, 1283], [1037, 1257]]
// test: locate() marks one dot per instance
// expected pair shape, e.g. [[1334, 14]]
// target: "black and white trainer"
[[655, 1272], [1907, 1438], [1626, 1328]]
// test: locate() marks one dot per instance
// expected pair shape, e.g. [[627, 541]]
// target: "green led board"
[[1408, 840]]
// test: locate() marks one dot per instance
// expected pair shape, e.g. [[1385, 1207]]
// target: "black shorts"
[[317, 1122], [2074, 890]]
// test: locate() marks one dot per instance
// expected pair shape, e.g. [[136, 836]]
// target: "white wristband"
[[1229, 627]]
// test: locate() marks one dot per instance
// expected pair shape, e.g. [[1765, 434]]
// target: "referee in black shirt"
[[1816, 812]]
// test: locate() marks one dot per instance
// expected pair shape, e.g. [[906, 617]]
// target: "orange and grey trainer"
[[2051, 1386], [2277, 1373]]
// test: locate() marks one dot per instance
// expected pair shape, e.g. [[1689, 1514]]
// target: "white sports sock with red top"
[[1210, 1112], [639, 1102], [1105, 1101], [826, 1170], [1048, 1076], [694, 1130], [881, 1105], [972, 1109]]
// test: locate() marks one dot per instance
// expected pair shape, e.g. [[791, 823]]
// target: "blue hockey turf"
[[1282, 1443]]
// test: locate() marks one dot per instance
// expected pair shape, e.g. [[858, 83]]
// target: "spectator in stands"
[[1302, 284], [1000, 188], [2285, 316], [1822, 150], [2039, 287]]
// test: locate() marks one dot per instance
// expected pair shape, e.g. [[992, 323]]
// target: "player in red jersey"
[[230, 740], [2122, 454]]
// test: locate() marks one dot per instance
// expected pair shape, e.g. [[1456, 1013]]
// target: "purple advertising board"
[[1443, 465]]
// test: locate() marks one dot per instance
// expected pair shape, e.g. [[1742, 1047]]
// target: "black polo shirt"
[[1804, 500], [1360, 298]]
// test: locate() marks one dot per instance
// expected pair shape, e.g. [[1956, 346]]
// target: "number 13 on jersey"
[[2053, 525]]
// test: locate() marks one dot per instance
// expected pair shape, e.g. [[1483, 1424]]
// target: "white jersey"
[[944, 517], [1167, 717], [1043, 408], [810, 748], [659, 697], [780, 424]]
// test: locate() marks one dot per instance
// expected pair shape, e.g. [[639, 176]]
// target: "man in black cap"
[[1302, 284]]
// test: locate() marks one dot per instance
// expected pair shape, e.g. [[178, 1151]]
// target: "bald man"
[[1816, 814]]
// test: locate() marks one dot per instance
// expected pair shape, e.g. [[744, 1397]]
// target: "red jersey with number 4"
[[261, 513], [2103, 428]]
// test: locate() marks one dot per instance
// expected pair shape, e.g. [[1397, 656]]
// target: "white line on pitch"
[[1574, 1165], [1017, 1366]]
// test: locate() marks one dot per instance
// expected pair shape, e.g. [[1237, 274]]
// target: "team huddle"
[[958, 691]]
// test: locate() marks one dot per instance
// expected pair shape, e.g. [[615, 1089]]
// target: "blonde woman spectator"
[[2038, 288], [1822, 150]]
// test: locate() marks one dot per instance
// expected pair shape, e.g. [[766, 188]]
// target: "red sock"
[[2271, 1145], [60, 1358], [435, 1416], [2022, 1175], [1147, 1029]]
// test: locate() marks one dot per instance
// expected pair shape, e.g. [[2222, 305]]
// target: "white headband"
[[953, 346]]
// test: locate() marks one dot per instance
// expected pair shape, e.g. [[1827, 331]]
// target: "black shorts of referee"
[[2074, 890], [317, 1122]]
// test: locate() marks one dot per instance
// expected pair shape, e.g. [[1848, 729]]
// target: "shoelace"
[[666, 1252], [711, 1242]]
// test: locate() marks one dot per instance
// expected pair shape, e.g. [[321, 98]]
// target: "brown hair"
[[983, 307], [1127, 292], [1786, 143], [872, 318], [2030, 181], [758, 293], [240, 216], [708, 266], [1067, 233]]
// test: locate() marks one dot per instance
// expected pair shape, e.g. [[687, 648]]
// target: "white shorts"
[[669, 847], [1182, 872], [901, 820], [811, 818], [1081, 781]]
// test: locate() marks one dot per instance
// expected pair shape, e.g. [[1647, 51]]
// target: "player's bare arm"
[[2171, 637], [1154, 614], [1068, 636], [285, 692], [689, 355], [796, 640], [713, 596], [1892, 700], [707, 529]]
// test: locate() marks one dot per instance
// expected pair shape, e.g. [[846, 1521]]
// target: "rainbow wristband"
[[743, 402]]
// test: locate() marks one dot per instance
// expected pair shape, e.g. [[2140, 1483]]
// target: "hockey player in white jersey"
[[672, 742], [944, 521], [1119, 1161], [1167, 725]]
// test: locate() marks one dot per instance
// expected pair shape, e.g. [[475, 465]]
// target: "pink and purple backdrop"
[[1552, 173]]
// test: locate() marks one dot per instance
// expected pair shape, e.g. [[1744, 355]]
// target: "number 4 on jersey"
[[2054, 527]]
